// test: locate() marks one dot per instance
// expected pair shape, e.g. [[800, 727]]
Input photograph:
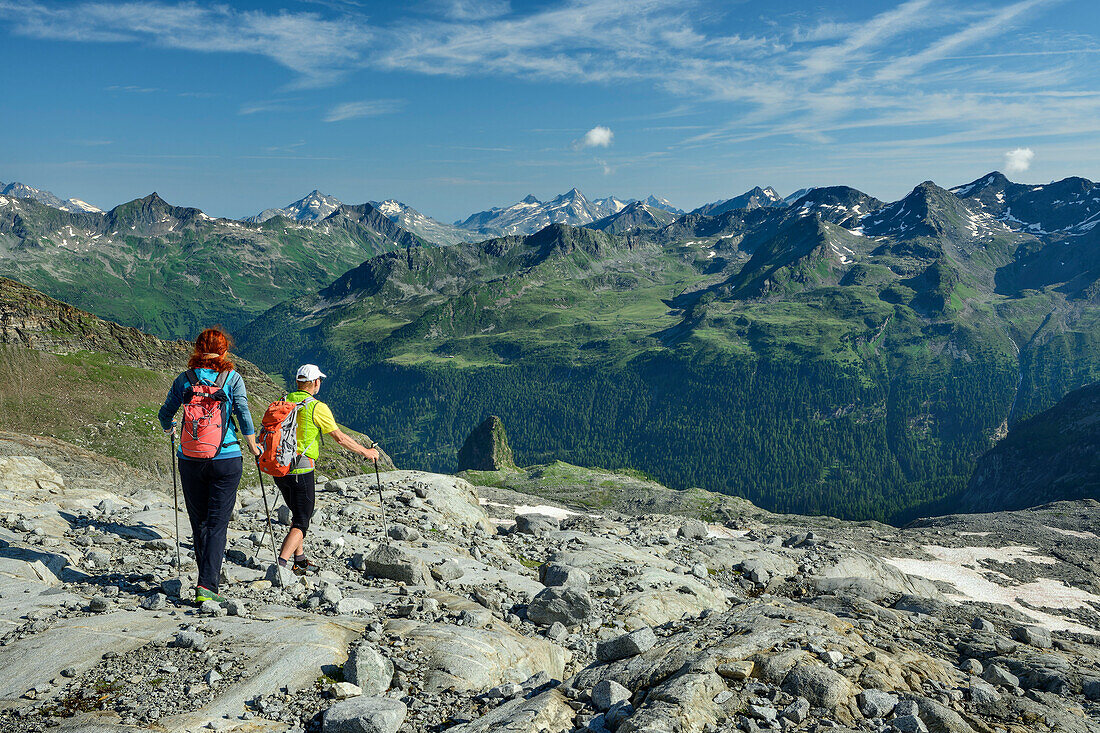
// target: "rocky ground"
[[470, 616]]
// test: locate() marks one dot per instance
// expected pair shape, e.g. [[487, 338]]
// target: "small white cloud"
[[598, 137], [607, 168], [366, 108], [1018, 160]]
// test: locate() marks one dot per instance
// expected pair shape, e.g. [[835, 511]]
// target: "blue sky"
[[457, 105]]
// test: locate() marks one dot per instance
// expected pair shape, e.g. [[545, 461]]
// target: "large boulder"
[[477, 659], [365, 714], [536, 525], [556, 573], [486, 448], [941, 719], [23, 473], [367, 668], [564, 604], [393, 563], [823, 687], [872, 578], [692, 529], [548, 712], [683, 703], [627, 645], [608, 693]]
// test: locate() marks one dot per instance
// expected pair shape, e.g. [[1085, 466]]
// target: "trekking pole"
[[176, 503], [381, 502], [267, 511]]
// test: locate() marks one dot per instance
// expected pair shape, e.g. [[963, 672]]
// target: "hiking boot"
[[308, 567], [205, 594]]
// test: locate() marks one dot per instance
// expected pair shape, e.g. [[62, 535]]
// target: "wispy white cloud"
[[824, 81], [131, 89], [982, 30], [881, 28], [473, 9], [269, 105], [317, 49], [365, 108], [1018, 160]]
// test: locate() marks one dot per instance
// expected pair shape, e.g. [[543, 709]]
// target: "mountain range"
[[524, 217], [826, 353], [152, 265], [837, 354], [23, 191], [530, 215]]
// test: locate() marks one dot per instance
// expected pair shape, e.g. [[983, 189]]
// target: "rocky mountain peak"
[[995, 181], [1070, 205], [927, 210], [754, 198], [23, 191], [312, 207], [486, 448], [662, 203]]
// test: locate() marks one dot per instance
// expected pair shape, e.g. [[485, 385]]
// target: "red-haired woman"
[[210, 469]]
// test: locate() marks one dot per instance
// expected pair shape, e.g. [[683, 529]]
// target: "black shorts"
[[299, 491]]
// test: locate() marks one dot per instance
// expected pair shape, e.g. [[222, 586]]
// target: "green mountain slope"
[[171, 270], [1054, 456], [837, 355], [70, 375]]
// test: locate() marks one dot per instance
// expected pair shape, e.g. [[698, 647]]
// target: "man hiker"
[[299, 486]]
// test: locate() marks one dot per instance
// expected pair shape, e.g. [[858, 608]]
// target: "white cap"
[[309, 372]]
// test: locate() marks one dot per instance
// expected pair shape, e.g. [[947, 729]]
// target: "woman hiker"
[[299, 487], [209, 457]]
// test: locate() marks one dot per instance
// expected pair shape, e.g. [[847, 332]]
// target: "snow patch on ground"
[[725, 533], [1073, 533], [959, 566], [543, 509]]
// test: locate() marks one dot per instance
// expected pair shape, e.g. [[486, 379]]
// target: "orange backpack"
[[279, 437]]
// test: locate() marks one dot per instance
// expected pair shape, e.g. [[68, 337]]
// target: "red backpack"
[[205, 417], [279, 437]]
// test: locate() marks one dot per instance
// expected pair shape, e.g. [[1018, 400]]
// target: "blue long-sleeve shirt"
[[238, 404]]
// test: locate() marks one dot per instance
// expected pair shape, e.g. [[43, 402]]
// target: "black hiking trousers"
[[210, 493], [300, 494]]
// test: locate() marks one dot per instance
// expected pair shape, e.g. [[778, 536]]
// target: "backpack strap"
[[227, 410], [320, 435], [192, 377]]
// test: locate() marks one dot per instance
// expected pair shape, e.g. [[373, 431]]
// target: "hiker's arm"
[[170, 407], [244, 417], [371, 454]]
